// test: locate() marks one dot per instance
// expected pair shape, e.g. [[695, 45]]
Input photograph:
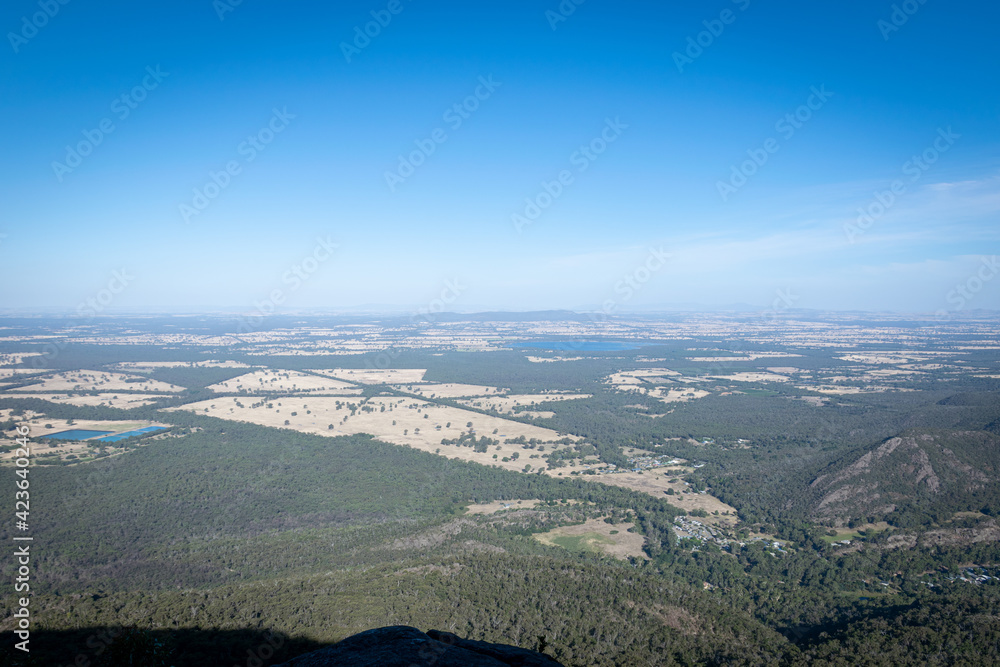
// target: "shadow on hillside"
[[182, 647]]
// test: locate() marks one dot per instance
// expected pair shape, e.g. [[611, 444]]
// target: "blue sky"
[[644, 125]]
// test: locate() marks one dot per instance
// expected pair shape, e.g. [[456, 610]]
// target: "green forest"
[[227, 538]]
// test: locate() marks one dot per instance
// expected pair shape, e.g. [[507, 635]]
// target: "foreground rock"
[[403, 646]]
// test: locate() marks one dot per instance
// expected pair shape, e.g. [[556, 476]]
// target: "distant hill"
[[911, 477], [516, 316]]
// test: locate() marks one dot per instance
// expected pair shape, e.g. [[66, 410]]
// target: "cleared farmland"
[[399, 420]]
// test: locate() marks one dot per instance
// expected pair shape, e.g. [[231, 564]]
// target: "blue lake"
[[128, 434], [75, 434], [579, 345]]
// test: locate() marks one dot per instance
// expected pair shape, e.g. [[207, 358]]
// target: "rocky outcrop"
[[403, 646], [924, 471]]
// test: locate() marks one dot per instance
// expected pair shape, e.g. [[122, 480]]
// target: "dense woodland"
[[224, 537]]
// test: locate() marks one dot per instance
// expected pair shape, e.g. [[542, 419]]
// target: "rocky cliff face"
[[920, 470], [403, 646]]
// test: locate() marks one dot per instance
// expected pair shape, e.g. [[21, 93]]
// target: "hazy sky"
[[499, 154]]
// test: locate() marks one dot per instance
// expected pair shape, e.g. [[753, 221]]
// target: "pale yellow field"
[[632, 380], [123, 400], [7, 413], [705, 501], [929, 367], [153, 365], [624, 382], [448, 389], [14, 358], [655, 482], [817, 401], [376, 375], [651, 372], [751, 377], [889, 372], [284, 381], [838, 389], [81, 447], [286, 350], [678, 395], [17, 373], [638, 451], [404, 421], [508, 403], [885, 357], [100, 381], [415, 423], [659, 380], [501, 505], [611, 539], [39, 422], [753, 356]]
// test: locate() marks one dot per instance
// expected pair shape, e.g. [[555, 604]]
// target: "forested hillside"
[[912, 478]]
